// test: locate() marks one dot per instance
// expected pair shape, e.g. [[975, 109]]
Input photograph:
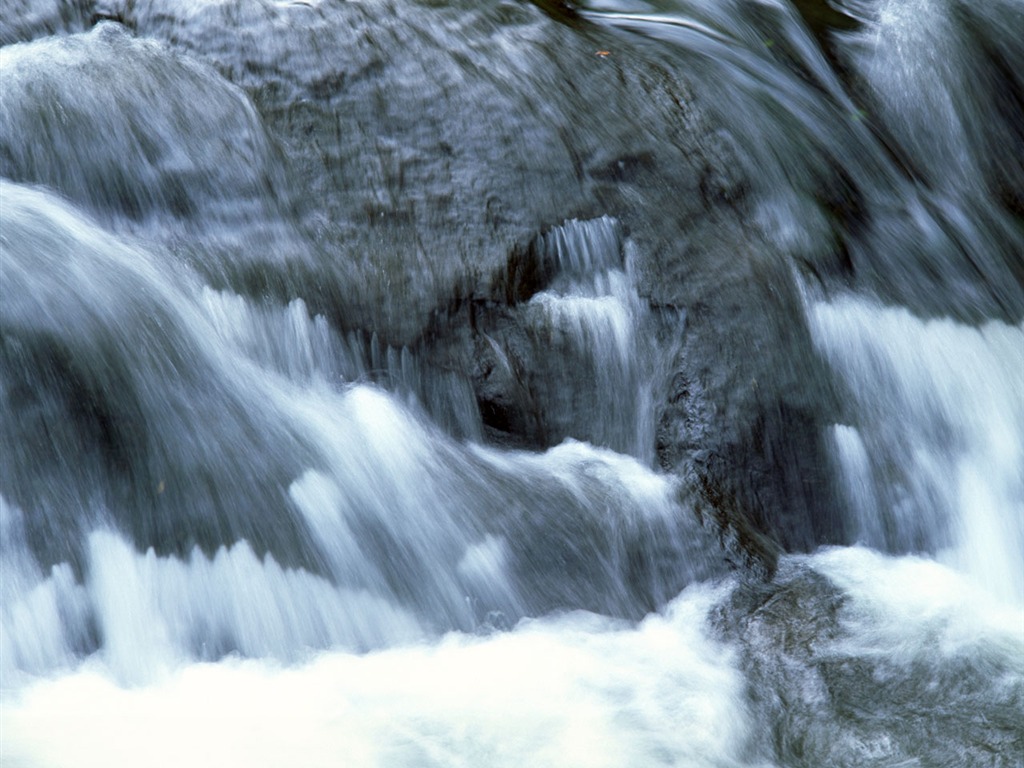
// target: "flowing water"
[[238, 527]]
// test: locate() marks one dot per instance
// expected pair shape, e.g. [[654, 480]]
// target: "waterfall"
[[442, 384], [592, 315], [399, 531], [933, 455]]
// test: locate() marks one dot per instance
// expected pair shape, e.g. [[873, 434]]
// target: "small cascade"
[[242, 525], [933, 453], [321, 511], [306, 349], [590, 317]]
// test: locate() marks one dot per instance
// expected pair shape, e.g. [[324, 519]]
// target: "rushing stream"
[[424, 384]]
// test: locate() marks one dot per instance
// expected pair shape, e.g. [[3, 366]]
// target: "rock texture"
[[412, 153], [823, 697]]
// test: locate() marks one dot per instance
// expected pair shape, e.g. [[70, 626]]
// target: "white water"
[[576, 691], [592, 316], [935, 456], [423, 495], [304, 348], [412, 532], [228, 658]]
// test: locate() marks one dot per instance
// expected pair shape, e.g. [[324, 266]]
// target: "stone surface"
[[417, 149], [822, 699]]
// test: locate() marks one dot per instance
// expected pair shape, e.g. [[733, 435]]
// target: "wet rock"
[[132, 131], [116, 409], [413, 154], [820, 699], [25, 20]]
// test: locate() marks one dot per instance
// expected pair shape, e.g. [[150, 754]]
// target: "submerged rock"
[[393, 166], [824, 692], [135, 132]]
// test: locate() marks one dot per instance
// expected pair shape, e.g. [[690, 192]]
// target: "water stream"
[[245, 520]]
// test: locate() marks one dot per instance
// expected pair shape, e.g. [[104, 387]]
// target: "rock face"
[[822, 699], [135, 132], [396, 165]]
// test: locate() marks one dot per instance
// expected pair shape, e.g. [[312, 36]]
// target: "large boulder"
[[395, 164]]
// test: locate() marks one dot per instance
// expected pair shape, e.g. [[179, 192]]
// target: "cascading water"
[[905, 168], [398, 517], [245, 520], [591, 316], [934, 459]]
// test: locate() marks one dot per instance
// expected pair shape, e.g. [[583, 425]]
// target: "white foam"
[[589, 471], [903, 608], [580, 691], [154, 613], [940, 411]]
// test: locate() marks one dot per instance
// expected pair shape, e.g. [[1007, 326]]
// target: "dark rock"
[[819, 698], [413, 153]]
